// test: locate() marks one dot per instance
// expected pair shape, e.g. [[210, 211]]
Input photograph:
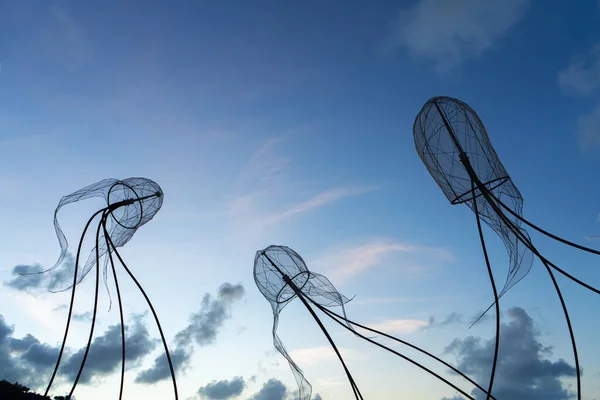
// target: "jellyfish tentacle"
[[529, 244], [300, 295], [571, 332], [304, 386], [495, 290], [94, 312], [93, 190], [119, 302], [357, 393], [399, 355], [160, 330], [62, 347], [423, 351], [545, 232]]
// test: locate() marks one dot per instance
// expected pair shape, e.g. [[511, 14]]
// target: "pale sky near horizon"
[[291, 123]]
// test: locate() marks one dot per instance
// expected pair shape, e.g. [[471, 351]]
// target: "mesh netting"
[[274, 268], [131, 202], [449, 134]]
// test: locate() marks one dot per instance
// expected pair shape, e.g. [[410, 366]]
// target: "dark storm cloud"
[[223, 390], [524, 372], [28, 278], [25, 359], [105, 352], [203, 330]]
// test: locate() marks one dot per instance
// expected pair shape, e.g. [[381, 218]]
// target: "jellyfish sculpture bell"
[[131, 203], [281, 275], [453, 144]]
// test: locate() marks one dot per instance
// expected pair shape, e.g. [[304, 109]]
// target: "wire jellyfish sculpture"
[[281, 275], [453, 144], [130, 203]]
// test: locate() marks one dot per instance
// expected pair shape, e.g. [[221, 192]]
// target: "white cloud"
[[589, 130], [344, 263], [582, 76], [318, 355], [402, 326], [449, 32]]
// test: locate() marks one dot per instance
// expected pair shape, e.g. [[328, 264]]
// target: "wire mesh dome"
[[143, 199], [271, 268], [447, 129]]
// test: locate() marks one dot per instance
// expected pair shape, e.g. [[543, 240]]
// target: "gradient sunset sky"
[[271, 122]]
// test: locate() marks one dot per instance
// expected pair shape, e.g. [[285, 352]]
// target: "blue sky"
[[291, 123]]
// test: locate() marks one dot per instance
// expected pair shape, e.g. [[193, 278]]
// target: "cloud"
[[582, 75], [273, 389], [265, 197], [28, 278], [524, 372], [205, 324], [26, 282], [202, 330], [451, 319], [582, 78], [319, 200], [86, 316], [222, 390], [25, 360], [448, 33], [343, 263], [180, 357], [589, 130], [105, 352], [402, 326], [318, 355]]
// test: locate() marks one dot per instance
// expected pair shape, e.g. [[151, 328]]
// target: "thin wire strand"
[[447, 382], [496, 299], [94, 312], [357, 393], [62, 347], [544, 232], [114, 271], [162, 335], [454, 369], [529, 244]]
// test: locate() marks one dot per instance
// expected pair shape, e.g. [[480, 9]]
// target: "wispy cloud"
[[581, 78], [67, 41], [319, 200], [317, 355], [448, 33], [391, 300], [401, 326], [264, 197], [343, 263], [589, 130]]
